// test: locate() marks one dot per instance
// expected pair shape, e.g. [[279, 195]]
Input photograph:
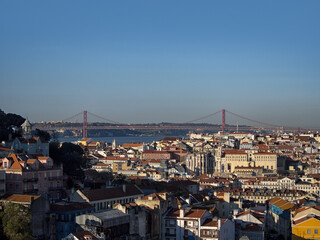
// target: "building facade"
[[37, 175]]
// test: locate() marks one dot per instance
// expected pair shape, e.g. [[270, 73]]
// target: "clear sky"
[[154, 61]]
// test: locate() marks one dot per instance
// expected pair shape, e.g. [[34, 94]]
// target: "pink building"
[[158, 155], [29, 174]]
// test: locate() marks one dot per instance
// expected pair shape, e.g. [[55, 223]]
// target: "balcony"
[[30, 191], [168, 234], [30, 180], [173, 225], [55, 188], [55, 178]]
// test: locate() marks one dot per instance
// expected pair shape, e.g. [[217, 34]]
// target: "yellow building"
[[84, 141], [234, 158], [266, 160], [307, 227], [118, 166], [317, 138], [306, 223]]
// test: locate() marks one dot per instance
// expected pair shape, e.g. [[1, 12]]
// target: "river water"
[[120, 140]]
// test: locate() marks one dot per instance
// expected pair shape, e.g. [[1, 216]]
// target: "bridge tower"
[[85, 125], [223, 121]]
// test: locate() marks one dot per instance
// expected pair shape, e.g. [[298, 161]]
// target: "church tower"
[[27, 129], [114, 144]]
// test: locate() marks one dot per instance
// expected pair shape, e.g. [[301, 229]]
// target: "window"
[[308, 231], [316, 231]]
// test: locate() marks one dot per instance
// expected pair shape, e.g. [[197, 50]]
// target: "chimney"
[[124, 188], [181, 212], [226, 197]]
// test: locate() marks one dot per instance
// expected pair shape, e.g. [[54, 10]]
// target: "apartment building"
[[103, 199], [278, 218], [184, 223], [33, 174], [228, 160], [306, 223]]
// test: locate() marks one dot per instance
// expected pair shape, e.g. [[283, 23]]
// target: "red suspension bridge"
[[189, 125]]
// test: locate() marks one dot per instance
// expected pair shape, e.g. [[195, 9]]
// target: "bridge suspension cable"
[[201, 118], [252, 120], [74, 116], [105, 119]]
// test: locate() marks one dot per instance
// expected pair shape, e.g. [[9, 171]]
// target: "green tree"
[[120, 179], [6, 121], [15, 221], [71, 156], [43, 135]]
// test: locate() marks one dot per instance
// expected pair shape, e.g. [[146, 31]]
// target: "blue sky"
[[155, 61]]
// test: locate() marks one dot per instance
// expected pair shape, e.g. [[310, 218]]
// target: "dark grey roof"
[[110, 193]]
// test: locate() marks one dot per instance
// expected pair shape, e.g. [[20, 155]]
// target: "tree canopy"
[[70, 155], [44, 136], [15, 222], [6, 121]]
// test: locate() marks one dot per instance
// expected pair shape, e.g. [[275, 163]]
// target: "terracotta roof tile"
[[210, 223], [192, 213], [20, 198], [235, 152], [84, 235], [131, 145], [16, 166], [307, 218], [283, 204]]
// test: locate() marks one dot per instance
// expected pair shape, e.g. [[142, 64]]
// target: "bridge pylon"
[[223, 121], [85, 124]]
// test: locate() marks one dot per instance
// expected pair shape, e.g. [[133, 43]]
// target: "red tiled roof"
[[16, 166], [5, 149], [265, 153], [252, 227], [192, 213], [101, 164], [307, 218], [131, 145], [84, 235], [235, 151], [156, 152], [283, 204], [20, 198], [210, 223], [154, 197]]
